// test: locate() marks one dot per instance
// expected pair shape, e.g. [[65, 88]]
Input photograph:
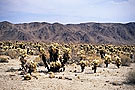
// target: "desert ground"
[[110, 78]]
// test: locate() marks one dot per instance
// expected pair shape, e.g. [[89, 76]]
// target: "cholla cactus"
[[51, 75], [28, 66], [66, 55], [27, 77], [31, 52], [93, 53], [55, 66], [83, 64], [52, 65], [107, 59], [95, 64], [67, 50], [81, 52], [33, 66], [118, 61], [5, 48], [42, 50], [102, 53], [54, 53], [23, 62], [58, 63]]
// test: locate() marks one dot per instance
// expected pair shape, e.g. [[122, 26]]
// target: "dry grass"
[[4, 59], [37, 59], [2, 52], [13, 54], [93, 57], [125, 60]]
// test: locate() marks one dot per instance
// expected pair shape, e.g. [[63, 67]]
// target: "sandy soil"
[[109, 78]]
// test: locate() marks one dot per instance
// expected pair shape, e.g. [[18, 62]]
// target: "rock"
[[11, 75], [81, 80], [68, 78], [75, 71], [100, 71], [35, 77], [70, 71], [11, 70], [60, 77], [78, 77], [97, 74], [40, 64], [22, 73], [116, 83], [107, 81]]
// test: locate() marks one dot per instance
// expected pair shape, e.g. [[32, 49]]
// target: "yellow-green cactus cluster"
[[27, 77], [55, 64], [117, 60], [33, 66], [108, 58], [86, 63], [95, 62], [51, 75]]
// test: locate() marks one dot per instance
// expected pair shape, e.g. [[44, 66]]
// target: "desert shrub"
[[36, 52], [2, 52], [12, 54], [131, 77], [12, 70], [93, 57], [73, 60], [133, 59], [3, 59], [125, 60]]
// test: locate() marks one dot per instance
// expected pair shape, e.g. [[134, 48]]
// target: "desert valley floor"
[[109, 78]]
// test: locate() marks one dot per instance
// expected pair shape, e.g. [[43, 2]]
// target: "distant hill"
[[95, 33]]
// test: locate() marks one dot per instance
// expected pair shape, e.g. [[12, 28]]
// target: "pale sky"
[[67, 11]]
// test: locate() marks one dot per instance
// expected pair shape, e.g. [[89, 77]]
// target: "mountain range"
[[94, 33]]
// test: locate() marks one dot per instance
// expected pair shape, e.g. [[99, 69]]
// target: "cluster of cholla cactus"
[[28, 66], [95, 55], [57, 58], [55, 55], [107, 59]]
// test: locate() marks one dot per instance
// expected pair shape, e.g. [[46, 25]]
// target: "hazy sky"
[[67, 11]]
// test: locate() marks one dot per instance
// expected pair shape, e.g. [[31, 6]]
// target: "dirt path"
[[102, 80]]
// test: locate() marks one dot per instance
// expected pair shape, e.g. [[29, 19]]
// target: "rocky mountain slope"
[[95, 33]]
